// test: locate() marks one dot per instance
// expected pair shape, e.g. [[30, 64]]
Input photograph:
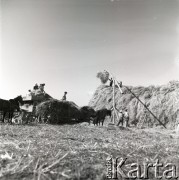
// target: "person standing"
[[121, 117], [126, 116], [41, 87], [111, 82], [64, 96]]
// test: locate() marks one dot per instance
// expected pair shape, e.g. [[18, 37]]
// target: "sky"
[[64, 43]]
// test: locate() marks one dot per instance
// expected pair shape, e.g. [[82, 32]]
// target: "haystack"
[[31, 100], [86, 113], [58, 111], [162, 100], [40, 97]]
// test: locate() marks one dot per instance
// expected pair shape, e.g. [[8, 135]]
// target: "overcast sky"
[[64, 43]]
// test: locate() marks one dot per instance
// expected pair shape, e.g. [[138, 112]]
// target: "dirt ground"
[[79, 151]]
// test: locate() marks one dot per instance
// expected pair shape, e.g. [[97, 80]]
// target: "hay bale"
[[58, 111], [86, 113], [40, 97], [163, 101], [103, 76]]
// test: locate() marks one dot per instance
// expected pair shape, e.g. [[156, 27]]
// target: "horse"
[[101, 115], [9, 106]]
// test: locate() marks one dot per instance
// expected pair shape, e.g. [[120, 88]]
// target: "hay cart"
[[28, 109]]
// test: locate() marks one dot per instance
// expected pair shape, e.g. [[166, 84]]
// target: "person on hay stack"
[[36, 86], [64, 98], [111, 82], [41, 87]]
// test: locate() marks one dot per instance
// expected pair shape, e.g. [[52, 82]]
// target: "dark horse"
[[100, 116], [9, 106]]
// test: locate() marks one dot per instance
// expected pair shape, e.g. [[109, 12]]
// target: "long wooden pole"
[[115, 82], [145, 106], [113, 101]]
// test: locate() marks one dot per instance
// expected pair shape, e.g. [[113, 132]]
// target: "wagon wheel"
[[6, 119], [18, 119]]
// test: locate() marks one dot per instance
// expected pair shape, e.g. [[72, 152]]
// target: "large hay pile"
[[40, 97], [163, 101], [58, 112]]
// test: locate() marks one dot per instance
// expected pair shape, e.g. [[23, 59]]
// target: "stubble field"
[[79, 151]]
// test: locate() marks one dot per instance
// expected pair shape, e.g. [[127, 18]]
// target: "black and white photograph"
[[89, 89]]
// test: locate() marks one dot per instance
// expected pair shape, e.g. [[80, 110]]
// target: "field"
[[79, 151]]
